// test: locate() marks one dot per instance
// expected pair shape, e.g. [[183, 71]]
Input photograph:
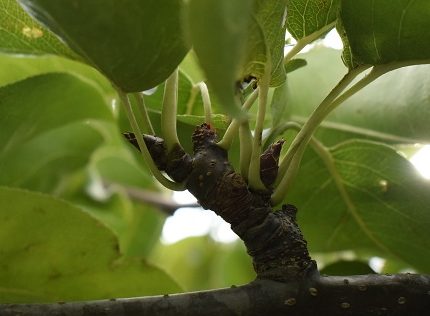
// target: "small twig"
[[164, 203]]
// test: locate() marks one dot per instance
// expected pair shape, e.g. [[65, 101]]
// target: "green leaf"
[[20, 34], [295, 64], [392, 109], [45, 120], [306, 17], [346, 267], [136, 44], [58, 136], [218, 30], [381, 32], [15, 68], [347, 56], [52, 251], [364, 196], [200, 263], [266, 41]]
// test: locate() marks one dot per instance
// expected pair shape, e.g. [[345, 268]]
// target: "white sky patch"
[[377, 264], [188, 222], [421, 161], [332, 39]]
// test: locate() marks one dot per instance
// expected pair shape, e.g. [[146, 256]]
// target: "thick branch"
[[396, 295]]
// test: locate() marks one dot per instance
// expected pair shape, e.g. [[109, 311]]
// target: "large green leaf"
[[136, 44], [305, 17], [392, 109], [218, 30], [58, 136], [52, 251], [364, 196], [385, 31], [20, 34]]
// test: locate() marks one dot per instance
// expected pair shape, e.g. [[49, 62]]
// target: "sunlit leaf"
[[20, 34]]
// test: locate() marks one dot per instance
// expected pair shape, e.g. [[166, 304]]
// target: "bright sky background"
[[187, 222]]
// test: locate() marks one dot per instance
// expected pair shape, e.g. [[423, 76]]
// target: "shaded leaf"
[[368, 197], [115, 37], [295, 64], [218, 30], [381, 32], [20, 34], [65, 255]]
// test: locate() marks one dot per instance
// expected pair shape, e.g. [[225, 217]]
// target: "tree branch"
[[402, 294]]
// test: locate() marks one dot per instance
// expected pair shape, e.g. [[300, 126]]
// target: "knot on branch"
[[273, 239]]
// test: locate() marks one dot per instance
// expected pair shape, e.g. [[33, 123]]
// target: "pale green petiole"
[[254, 179], [245, 138], [147, 126], [290, 163], [142, 146], [206, 102], [169, 112], [233, 128], [303, 42]]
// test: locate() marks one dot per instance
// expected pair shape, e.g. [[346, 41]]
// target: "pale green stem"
[[303, 42], [376, 72], [233, 128], [169, 112], [142, 146], [245, 138], [291, 161], [206, 102], [147, 126], [254, 179]]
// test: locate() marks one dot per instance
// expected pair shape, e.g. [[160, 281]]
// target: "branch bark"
[[396, 295]]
